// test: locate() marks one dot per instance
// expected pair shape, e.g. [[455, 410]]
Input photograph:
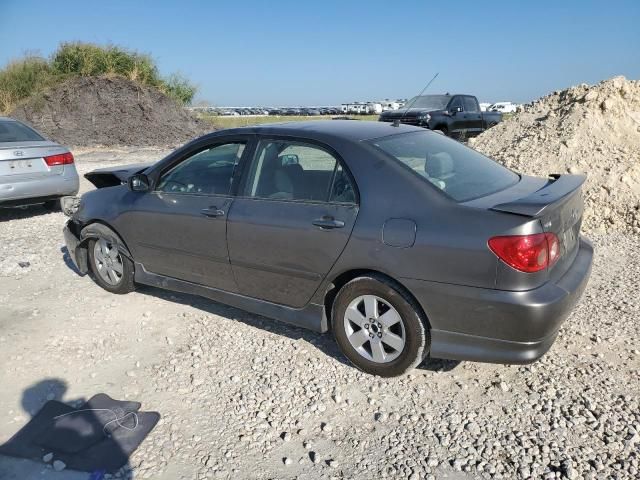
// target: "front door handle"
[[212, 212], [328, 223]]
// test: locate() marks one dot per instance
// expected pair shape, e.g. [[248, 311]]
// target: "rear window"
[[460, 172], [11, 131]]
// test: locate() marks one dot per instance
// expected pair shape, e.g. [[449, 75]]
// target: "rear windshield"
[[11, 131], [433, 102], [460, 172]]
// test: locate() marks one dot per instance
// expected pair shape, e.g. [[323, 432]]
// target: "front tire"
[[110, 269], [379, 327]]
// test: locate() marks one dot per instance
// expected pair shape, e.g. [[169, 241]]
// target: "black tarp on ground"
[[78, 437]]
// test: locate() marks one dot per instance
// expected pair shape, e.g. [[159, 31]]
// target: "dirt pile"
[[583, 129], [109, 111]]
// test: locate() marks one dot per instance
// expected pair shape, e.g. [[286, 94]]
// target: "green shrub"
[[23, 78], [178, 87], [86, 59]]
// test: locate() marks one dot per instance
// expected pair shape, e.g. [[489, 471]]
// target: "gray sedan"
[[401, 241], [32, 168]]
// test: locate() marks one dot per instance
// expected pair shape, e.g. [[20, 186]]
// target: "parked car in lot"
[[503, 107], [401, 241], [457, 116], [33, 169]]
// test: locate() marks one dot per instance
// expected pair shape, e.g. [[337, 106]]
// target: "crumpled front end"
[[77, 253]]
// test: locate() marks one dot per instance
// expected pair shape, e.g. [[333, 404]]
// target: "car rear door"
[[179, 228], [291, 222]]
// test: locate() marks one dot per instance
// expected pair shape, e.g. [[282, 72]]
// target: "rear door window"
[[458, 171], [288, 170], [11, 131]]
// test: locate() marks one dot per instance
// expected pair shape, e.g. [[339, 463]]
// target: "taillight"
[[527, 253], [60, 159]]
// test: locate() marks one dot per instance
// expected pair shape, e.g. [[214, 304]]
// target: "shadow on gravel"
[[20, 213], [324, 342], [69, 263], [438, 365], [95, 436]]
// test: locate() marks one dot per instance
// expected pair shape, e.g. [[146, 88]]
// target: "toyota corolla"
[[402, 242]]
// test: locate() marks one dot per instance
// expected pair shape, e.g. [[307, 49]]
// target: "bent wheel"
[[111, 270], [379, 327]]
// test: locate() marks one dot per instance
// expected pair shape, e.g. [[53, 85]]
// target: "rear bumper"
[[33, 190], [500, 326]]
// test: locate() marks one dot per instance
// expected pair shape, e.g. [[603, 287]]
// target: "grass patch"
[[245, 121], [32, 75]]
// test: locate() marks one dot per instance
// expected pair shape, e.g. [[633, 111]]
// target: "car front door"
[[457, 125], [179, 228], [291, 220], [472, 115]]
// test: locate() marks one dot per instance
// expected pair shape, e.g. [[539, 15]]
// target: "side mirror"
[[139, 183], [455, 110]]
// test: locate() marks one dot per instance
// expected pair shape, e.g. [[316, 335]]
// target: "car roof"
[[8, 119], [354, 130]]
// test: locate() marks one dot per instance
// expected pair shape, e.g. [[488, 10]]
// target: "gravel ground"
[[242, 396]]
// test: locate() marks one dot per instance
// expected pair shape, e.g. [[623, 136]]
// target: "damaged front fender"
[[77, 241]]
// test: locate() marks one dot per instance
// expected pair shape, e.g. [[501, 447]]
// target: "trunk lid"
[[25, 160], [559, 206], [556, 203]]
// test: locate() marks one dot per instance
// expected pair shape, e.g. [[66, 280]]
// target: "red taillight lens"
[[61, 159], [527, 253]]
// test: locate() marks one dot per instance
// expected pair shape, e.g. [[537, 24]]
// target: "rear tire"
[[379, 327], [110, 269]]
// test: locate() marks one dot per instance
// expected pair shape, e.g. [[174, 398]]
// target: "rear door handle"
[[212, 212], [328, 223]]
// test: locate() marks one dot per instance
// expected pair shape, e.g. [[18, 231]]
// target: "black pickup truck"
[[458, 116]]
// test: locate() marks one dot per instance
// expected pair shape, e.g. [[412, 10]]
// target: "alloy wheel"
[[108, 261], [374, 328]]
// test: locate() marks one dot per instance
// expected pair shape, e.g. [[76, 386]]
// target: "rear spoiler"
[[558, 187]]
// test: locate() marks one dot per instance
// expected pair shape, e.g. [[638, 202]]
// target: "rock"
[[59, 465], [473, 428], [381, 416], [47, 457], [287, 461]]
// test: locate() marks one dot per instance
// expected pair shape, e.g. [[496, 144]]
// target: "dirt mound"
[[109, 111], [583, 129]]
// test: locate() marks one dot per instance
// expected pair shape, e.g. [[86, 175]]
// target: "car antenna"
[[396, 122]]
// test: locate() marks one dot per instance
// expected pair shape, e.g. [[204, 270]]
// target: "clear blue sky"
[[327, 52]]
